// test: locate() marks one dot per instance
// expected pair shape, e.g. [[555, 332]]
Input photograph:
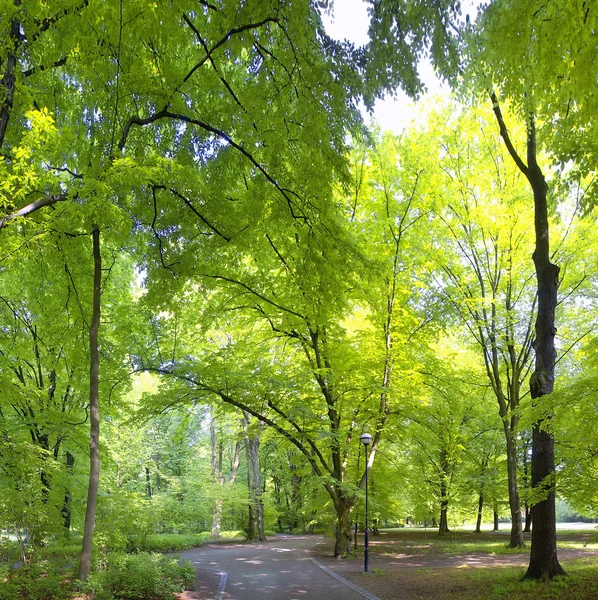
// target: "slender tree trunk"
[[219, 478], [516, 540], [478, 525], [544, 563], [94, 414], [495, 511], [445, 477], [526, 482], [66, 505], [148, 482], [255, 530]]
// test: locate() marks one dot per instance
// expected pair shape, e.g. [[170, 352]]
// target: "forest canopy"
[[214, 277]]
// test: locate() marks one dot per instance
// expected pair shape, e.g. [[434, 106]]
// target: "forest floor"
[[414, 564]]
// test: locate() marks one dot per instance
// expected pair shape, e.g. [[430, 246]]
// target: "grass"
[[420, 541], [482, 579], [177, 542], [158, 542], [504, 583]]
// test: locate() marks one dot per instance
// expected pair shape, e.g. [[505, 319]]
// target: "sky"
[[350, 21]]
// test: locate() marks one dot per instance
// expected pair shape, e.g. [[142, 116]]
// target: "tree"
[[481, 209], [256, 527]]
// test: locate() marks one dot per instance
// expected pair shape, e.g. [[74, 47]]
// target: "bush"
[[142, 576], [177, 542], [174, 542], [9, 551], [40, 582]]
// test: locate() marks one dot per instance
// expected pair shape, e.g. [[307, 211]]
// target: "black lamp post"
[[366, 440]]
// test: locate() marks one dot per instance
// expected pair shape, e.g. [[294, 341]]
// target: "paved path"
[[280, 569]]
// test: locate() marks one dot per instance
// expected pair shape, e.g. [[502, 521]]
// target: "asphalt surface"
[[279, 569]]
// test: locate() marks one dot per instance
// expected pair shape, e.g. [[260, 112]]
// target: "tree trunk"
[[9, 78], [343, 507], [443, 524], [544, 562], [445, 477], [255, 530], [66, 505], [478, 525], [94, 413], [526, 482], [495, 511], [216, 518], [148, 482], [516, 540], [528, 519], [218, 476]]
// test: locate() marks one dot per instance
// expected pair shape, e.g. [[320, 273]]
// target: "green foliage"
[[42, 581], [173, 542], [141, 576]]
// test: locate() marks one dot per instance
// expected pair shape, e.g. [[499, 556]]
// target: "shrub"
[[141, 576], [40, 582]]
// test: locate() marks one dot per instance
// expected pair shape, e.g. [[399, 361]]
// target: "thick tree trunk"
[[342, 546], [255, 529], [544, 562], [516, 540], [495, 511], [478, 525], [443, 523], [94, 414]]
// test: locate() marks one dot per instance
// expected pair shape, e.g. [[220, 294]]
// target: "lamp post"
[[366, 440]]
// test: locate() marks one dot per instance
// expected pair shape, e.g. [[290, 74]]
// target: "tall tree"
[[480, 209]]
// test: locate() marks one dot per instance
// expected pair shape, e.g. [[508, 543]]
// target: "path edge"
[[222, 584], [344, 581]]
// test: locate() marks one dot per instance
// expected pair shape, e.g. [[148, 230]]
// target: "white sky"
[[350, 21]]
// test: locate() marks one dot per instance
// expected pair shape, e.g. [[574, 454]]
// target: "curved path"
[[279, 569]]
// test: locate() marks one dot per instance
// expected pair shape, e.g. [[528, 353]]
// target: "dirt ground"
[[413, 571]]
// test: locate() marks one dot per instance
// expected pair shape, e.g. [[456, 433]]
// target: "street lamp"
[[366, 440]]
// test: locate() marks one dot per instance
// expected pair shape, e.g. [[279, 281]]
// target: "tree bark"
[[544, 562], [495, 511], [516, 540], [255, 529], [478, 525], [528, 519], [443, 523], [9, 77], [148, 482], [94, 413], [66, 505], [343, 507], [218, 476]]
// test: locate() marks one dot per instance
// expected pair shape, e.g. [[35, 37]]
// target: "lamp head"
[[365, 439]]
